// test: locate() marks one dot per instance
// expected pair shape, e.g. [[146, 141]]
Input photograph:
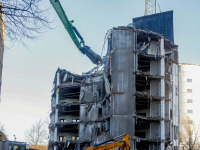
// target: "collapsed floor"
[[136, 92]]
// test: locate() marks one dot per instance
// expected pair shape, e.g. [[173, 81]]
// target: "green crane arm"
[[74, 34], [68, 25]]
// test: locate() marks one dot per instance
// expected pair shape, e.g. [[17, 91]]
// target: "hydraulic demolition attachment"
[[74, 34]]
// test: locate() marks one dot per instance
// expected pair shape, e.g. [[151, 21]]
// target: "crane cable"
[[159, 6]]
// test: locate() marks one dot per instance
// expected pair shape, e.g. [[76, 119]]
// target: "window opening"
[[171, 113], [189, 101], [189, 111], [189, 90], [100, 113]]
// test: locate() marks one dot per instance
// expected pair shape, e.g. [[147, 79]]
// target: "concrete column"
[[123, 66], [162, 90], [56, 110]]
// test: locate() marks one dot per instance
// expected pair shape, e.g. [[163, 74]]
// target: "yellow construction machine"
[[113, 143]]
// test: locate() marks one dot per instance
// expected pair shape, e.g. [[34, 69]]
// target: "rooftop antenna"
[[150, 7]]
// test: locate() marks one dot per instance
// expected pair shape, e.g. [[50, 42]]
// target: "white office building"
[[189, 81]]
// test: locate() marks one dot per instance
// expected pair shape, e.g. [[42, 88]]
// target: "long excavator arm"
[[74, 34], [122, 144]]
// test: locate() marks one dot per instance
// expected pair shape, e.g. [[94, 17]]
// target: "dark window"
[[190, 122], [189, 111], [189, 101], [140, 134], [189, 80], [142, 114], [100, 113], [108, 125], [189, 90], [171, 113], [98, 131]]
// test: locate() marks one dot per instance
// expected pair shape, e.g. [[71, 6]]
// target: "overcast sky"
[[28, 74]]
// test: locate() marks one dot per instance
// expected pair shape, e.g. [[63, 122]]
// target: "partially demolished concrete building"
[[135, 92], [140, 92]]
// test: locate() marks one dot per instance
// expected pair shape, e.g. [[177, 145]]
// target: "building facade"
[[189, 92], [136, 92]]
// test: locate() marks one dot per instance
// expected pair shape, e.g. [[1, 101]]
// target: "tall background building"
[[189, 82]]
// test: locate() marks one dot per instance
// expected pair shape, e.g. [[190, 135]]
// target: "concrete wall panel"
[[122, 60], [121, 124], [155, 130], [123, 104], [123, 39], [155, 88], [88, 96], [85, 132], [123, 81], [155, 67], [90, 115], [155, 109]]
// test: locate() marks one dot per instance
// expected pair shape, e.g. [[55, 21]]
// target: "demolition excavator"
[[110, 144], [122, 144], [74, 34]]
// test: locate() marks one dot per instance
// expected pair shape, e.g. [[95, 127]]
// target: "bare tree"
[[190, 135], [24, 19], [37, 134]]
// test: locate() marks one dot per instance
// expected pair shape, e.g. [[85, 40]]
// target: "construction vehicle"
[[122, 144], [74, 34], [109, 144]]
